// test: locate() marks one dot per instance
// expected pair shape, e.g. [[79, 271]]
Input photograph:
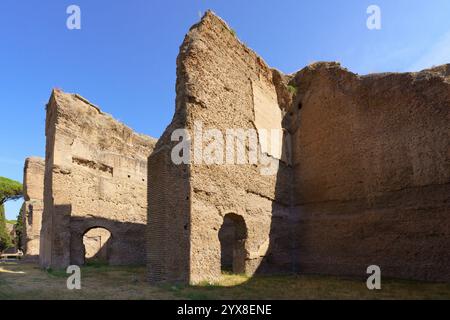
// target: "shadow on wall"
[[97, 245], [114, 242], [279, 257], [232, 237]]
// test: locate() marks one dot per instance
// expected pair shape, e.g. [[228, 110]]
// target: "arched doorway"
[[97, 245], [232, 236]]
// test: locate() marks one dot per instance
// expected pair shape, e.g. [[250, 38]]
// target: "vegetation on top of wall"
[[292, 89]]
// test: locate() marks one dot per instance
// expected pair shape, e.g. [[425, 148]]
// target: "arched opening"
[[97, 245], [232, 236]]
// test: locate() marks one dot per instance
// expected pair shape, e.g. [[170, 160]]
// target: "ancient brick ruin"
[[219, 82], [359, 176], [95, 186], [33, 185], [371, 172], [363, 175]]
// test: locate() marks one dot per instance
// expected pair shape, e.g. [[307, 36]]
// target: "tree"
[[5, 238], [9, 190], [19, 229]]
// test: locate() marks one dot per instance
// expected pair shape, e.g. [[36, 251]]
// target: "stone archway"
[[232, 237], [97, 245]]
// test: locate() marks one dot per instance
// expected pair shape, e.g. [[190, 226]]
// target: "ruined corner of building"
[[95, 186]]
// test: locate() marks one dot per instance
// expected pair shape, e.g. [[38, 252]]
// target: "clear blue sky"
[[123, 58]]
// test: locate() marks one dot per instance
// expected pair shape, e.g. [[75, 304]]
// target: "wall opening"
[[232, 237], [97, 245]]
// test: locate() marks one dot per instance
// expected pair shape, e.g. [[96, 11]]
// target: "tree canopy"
[[10, 190]]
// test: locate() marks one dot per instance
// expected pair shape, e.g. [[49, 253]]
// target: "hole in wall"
[[232, 237], [97, 243]]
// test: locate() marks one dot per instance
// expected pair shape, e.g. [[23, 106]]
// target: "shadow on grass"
[[106, 282], [308, 287], [57, 273]]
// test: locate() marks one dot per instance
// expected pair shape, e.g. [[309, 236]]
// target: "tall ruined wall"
[[362, 177], [372, 172], [221, 85], [96, 176], [33, 190]]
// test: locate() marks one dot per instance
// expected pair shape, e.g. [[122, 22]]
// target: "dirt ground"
[[22, 281]]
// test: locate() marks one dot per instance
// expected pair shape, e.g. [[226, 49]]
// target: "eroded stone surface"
[[95, 176], [372, 172], [33, 184], [218, 78], [364, 178]]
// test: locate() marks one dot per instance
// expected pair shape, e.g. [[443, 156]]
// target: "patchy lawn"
[[27, 281]]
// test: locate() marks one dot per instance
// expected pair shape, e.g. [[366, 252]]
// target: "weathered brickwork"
[[372, 172], [358, 175], [95, 177], [220, 83], [363, 170]]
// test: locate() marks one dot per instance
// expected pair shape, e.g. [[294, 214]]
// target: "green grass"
[[27, 281], [57, 273], [97, 264]]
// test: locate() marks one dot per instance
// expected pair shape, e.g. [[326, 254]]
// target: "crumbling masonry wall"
[[372, 172], [221, 85], [363, 176], [33, 191], [95, 177]]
